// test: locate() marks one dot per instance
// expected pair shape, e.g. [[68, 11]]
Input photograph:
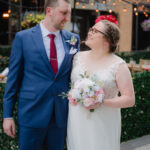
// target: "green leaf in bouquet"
[[63, 95], [91, 88], [92, 110], [72, 85], [100, 83], [86, 75], [80, 101], [81, 75], [94, 78], [82, 91]]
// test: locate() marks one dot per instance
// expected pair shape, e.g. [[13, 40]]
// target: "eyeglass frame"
[[91, 30]]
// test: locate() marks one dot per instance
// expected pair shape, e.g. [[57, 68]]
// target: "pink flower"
[[88, 102], [102, 17], [99, 92], [73, 43], [72, 100], [110, 18]]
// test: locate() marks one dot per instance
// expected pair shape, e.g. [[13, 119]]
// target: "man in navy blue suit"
[[39, 72]]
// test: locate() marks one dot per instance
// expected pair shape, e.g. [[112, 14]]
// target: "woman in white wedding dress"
[[101, 129]]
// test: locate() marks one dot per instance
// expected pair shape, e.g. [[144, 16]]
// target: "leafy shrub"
[[31, 20]]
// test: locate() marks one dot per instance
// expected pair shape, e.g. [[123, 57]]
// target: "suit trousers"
[[49, 138]]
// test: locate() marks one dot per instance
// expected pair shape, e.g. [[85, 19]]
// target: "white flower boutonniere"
[[73, 51], [72, 41]]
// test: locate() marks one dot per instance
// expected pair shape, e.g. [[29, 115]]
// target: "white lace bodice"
[[107, 76]]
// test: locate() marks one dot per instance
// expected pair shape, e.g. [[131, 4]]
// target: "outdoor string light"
[[5, 15], [104, 2], [136, 13], [124, 9], [31, 15], [9, 11], [97, 10], [92, 3], [83, 6], [77, 3], [139, 5], [135, 9], [114, 3], [110, 11]]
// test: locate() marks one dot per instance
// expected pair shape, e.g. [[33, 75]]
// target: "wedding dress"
[[101, 129]]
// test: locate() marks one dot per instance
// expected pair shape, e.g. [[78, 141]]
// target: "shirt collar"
[[46, 32]]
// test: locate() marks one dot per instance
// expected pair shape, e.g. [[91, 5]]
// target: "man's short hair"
[[52, 3]]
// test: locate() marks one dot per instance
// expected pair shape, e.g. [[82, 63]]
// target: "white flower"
[[96, 87], [75, 93], [91, 93], [100, 97], [87, 102], [85, 83], [73, 50]]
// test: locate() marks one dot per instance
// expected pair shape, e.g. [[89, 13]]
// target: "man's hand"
[[2, 76], [9, 127]]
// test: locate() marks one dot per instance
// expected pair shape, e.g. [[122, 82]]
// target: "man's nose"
[[68, 17]]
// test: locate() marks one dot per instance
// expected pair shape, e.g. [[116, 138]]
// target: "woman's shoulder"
[[120, 65], [118, 59], [118, 62], [82, 53]]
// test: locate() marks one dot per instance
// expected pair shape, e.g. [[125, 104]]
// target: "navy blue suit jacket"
[[32, 82]]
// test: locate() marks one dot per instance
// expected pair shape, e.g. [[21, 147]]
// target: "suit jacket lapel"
[[37, 37], [67, 48]]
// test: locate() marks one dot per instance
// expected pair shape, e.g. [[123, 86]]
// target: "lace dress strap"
[[114, 67], [76, 59]]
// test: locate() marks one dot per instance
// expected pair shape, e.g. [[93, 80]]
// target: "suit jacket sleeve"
[[14, 77], [78, 43]]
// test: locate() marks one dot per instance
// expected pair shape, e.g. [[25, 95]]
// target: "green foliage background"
[[136, 120], [31, 20]]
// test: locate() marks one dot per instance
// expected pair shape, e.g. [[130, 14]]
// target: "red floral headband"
[[110, 18]]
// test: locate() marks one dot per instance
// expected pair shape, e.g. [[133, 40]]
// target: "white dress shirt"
[[58, 42]]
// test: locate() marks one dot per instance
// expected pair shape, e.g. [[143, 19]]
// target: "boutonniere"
[[73, 51], [72, 41]]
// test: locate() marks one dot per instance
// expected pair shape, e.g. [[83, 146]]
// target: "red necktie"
[[53, 54]]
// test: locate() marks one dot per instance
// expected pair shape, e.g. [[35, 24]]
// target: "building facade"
[[84, 13]]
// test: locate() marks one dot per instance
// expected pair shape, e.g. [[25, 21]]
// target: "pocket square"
[[73, 50]]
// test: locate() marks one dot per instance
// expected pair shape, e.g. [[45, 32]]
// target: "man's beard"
[[59, 27]]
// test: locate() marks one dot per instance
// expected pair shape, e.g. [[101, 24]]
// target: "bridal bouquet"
[[86, 91]]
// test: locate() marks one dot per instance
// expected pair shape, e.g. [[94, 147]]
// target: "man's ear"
[[49, 11]]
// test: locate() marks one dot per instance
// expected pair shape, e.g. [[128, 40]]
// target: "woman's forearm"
[[120, 102]]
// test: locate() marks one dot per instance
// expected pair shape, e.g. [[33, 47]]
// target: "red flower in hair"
[[110, 18]]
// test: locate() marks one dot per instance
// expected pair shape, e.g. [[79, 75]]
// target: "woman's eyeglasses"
[[93, 31]]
